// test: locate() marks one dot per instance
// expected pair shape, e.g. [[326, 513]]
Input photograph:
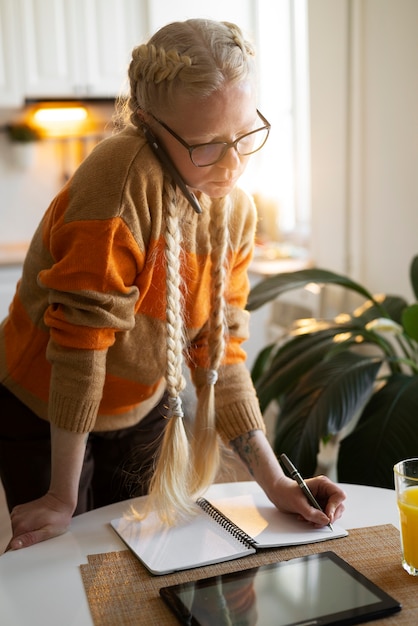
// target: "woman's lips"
[[225, 183]]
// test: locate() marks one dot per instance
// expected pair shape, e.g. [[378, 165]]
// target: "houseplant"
[[360, 368], [22, 139], [22, 132]]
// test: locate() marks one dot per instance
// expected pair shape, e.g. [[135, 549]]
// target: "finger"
[[14, 544], [334, 509], [8, 547], [31, 538], [339, 510], [314, 515]]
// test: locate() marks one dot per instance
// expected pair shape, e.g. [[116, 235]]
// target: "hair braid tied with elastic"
[[170, 484], [206, 452]]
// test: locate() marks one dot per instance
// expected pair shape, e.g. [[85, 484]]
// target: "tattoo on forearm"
[[247, 449]]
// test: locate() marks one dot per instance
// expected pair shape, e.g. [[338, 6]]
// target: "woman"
[[128, 274]]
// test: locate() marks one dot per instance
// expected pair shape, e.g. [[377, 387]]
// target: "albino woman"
[[138, 268]]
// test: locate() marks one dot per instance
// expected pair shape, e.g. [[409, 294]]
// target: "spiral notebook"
[[222, 530]]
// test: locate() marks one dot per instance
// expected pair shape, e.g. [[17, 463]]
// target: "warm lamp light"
[[62, 114], [61, 120]]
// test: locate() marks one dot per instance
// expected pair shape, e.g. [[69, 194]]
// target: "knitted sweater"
[[84, 343]]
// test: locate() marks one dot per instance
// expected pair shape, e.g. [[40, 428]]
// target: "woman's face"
[[224, 116]]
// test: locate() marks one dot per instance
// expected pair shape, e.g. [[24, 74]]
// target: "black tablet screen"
[[313, 590]]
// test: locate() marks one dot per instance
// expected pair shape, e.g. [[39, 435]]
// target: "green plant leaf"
[[386, 433], [323, 402], [393, 307], [286, 364], [273, 286], [289, 364], [413, 272], [410, 321], [261, 362]]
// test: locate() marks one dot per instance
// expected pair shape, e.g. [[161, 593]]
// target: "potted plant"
[[22, 132], [360, 368], [22, 137]]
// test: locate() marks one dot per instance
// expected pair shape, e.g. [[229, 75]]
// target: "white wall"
[[364, 139], [26, 191]]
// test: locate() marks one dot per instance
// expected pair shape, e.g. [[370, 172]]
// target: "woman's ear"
[[145, 120], [142, 116]]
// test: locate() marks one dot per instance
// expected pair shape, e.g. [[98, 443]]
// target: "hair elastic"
[[212, 377], [175, 407]]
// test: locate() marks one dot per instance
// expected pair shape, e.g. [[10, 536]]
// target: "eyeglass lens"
[[210, 153]]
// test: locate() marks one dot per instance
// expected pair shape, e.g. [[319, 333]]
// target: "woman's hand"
[[255, 451], [289, 498], [38, 520], [50, 515]]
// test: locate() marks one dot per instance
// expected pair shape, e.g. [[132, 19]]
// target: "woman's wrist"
[[67, 455]]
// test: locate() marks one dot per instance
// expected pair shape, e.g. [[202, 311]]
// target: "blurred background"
[[336, 185]]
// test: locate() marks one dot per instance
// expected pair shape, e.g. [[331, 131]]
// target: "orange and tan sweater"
[[84, 343]]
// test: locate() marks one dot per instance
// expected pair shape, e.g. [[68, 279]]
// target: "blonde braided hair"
[[170, 483], [206, 452], [158, 65], [195, 58]]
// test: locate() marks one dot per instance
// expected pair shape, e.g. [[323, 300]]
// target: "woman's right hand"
[[38, 520]]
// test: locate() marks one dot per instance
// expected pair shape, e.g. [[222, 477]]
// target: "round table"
[[42, 585]]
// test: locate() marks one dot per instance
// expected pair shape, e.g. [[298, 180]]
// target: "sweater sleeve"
[[91, 293]]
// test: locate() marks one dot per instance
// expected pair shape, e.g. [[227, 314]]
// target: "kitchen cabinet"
[[80, 48], [10, 92]]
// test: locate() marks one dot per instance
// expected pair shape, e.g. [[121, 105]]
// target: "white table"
[[42, 586]]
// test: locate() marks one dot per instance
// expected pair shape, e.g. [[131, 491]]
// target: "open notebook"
[[224, 529]]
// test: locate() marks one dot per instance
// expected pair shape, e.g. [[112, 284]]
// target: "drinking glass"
[[406, 485]]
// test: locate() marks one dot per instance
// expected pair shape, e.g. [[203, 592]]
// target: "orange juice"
[[408, 513]]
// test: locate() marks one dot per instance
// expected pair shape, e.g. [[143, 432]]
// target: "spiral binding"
[[226, 523]]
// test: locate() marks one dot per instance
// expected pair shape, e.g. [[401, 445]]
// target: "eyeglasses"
[[205, 154]]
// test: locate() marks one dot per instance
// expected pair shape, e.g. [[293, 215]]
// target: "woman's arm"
[[51, 514], [255, 451]]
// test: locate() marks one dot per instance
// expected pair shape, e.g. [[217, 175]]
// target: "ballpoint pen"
[[295, 474]]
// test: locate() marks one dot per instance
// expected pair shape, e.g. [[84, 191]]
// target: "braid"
[[218, 229], [174, 326], [170, 484], [156, 65], [206, 452], [243, 44]]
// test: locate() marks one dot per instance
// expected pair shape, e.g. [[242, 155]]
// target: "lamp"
[[61, 119]]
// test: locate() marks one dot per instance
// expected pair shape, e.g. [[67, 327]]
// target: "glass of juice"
[[406, 485]]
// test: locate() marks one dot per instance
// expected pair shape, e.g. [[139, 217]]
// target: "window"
[[279, 175]]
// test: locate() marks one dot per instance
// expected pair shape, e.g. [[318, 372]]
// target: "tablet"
[[313, 590]]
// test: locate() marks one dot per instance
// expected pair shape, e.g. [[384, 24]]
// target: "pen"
[[295, 474]]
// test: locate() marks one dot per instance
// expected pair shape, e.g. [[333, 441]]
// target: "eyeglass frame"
[[190, 148]]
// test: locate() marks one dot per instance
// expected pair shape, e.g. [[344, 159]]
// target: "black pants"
[[117, 465]]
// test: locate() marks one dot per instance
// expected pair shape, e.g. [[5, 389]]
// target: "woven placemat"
[[121, 591]]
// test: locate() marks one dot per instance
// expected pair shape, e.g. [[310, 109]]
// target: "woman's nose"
[[231, 159]]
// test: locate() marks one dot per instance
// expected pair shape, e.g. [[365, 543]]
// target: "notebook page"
[[250, 509], [194, 543]]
